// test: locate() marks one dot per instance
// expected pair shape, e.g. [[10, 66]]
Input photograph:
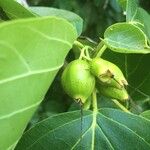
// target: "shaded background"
[[97, 14]]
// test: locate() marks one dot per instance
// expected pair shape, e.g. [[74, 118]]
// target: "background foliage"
[[97, 16]]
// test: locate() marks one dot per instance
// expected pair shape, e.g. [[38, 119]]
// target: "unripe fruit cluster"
[[80, 78]]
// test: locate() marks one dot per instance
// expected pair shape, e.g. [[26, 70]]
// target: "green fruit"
[[107, 73], [77, 80], [111, 92]]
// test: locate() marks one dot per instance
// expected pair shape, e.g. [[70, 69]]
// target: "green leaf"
[[15, 10], [144, 18], [126, 38], [146, 114], [70, 16], [20, 11], [131, 9], [29, 61], [107, 129]]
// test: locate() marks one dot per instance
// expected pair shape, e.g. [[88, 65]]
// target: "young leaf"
[[15, 10], [29, 61], [70, 16], [126, 38], [107, 129]]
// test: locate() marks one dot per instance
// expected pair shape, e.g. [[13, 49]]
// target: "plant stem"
[[82, 53], [87, 104], [95, 112], [87, 58], [100, 49], [78, 44], [121, 106], [94, 100]]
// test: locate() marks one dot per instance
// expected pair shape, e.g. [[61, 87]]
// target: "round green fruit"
[[77, 80], [107, 73]]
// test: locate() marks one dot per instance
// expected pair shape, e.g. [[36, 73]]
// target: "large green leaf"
[[126, 38], [70, 16], [107, 129], [15, 10], [31, 52]]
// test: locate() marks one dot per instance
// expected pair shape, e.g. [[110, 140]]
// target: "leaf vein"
[[50, 38], [126, 128], [105, 137], [19, 111], [70, 122], [30, 73]]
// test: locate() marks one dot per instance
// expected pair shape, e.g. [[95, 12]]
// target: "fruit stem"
[[121, 106], [94, 101], [87, 104], [78, 44], [82, 54], [101, 47]]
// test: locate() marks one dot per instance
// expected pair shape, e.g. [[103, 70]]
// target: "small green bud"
[[77, 80], [107, 73], [111, 92]]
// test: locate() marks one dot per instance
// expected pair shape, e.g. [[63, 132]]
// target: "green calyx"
[[107, 73], [111, 92], [77, 80]]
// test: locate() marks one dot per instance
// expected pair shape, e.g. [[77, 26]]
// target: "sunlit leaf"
[[29, 61]]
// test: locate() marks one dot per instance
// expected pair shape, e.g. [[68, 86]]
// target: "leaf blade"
[[18, 12], [70, 16], [105, 133], [24, 63], [126, 38]]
